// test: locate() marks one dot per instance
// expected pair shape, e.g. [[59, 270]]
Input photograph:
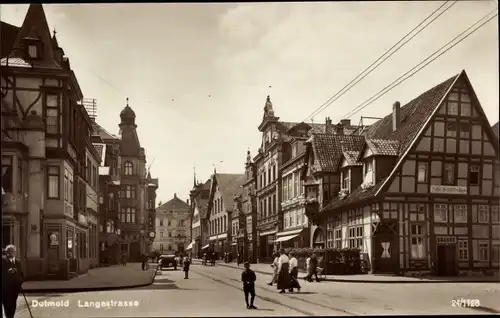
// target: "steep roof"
[[496, 129], [229, 184], [173, 204], [103, 133], [328, 149], [382, 140], [8, 34], [351, 157]]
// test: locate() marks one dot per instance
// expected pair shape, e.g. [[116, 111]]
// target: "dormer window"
[[33, 51], [345, 180], [369, 171]]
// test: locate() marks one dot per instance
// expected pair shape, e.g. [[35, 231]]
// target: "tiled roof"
[[413, 116], [383, 147], [228, 185], [103, 133], [496, 129], [358, 195], [328, 149], [317, 128], [178, 203], [382, 140], [351, 157]]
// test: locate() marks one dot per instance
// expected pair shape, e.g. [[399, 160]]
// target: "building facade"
[[421, 193], [244, 220], [222, 190], [199, 196], [49, 166], [173, 226]]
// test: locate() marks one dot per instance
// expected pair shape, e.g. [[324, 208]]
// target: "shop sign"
[[54, 239], [444, 189]]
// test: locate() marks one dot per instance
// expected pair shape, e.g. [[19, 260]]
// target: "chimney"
[[396, 115], [187, 201], [345, 122], [175, 195], [339, 129], [328, 126]]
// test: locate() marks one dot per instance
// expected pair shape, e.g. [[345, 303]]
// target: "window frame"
[[49, 176], [57, 109], [128, 168], [483, 214], [440, 206], [483, 246], [445, 180], [478, 172], [425, 173], [420, 239], [459, 208], [463, 250]]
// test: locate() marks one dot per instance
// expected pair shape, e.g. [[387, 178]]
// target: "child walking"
[[248, 278]]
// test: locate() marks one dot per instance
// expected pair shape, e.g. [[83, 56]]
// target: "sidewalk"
[[101, 278], [370, 278]]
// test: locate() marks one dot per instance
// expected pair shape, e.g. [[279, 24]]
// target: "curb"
[[385, 281], [86, 289]]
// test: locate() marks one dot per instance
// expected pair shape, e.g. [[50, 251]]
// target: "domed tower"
[[127, 116], [129, 145]]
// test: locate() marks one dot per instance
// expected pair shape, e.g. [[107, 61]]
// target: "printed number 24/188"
[[465, 302]]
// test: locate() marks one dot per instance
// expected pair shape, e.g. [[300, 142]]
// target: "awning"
[[268, 233], [288, 233], [233, 244], [206, 246], [286, 238], [190, 246]]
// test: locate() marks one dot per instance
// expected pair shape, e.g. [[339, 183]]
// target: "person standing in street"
[[12, 281], [313, 269], [186, 264], [248, 278], [294, 273], [274, 265], [144, 262], [283, 272]]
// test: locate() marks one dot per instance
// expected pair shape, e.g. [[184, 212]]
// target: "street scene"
[[260, 159]]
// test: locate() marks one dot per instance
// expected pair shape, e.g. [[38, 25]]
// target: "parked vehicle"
[[168, 260]]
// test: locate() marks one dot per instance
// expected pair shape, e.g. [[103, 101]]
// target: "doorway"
[[447, 260]]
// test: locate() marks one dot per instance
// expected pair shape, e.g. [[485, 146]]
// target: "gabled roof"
[[496, 129], [328, 149], [103, 133], [351, 157], [173, 204], [9, 33], [415, 116], [381, 147], [228, 184]]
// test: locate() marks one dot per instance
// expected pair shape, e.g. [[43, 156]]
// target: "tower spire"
[[194, 177]]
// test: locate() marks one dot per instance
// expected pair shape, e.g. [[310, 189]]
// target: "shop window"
[[418, 242]]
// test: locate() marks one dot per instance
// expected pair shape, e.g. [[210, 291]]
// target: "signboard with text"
[[443, 189]]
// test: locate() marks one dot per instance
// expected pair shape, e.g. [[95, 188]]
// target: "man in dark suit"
[[12, 280], [248, 278]]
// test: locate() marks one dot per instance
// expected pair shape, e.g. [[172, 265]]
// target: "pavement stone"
[[101, 278], [373, 278]]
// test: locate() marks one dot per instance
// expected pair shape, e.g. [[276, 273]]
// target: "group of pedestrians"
[[286, 272]]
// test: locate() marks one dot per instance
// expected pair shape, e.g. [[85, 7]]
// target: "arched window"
[[129, 168]]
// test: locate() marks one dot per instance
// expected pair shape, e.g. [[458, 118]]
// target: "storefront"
[[267, 245], [296, 238]]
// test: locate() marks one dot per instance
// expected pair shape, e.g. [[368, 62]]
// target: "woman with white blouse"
[[283, 272]]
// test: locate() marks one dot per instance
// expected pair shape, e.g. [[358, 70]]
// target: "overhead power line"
[[380, 60], [431, 58]]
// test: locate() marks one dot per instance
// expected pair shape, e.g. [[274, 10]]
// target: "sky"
[[197, 75]]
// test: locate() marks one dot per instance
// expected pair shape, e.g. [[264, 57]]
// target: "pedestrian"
[[238, 260], [283, 272], [12, 280], [204, 261], [313, 268], [248, 278], [213, 258], [124, 259], [144, 262], [294, 273], [274, 265], [186, 264]]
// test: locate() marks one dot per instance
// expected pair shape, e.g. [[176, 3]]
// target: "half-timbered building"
[[421, 192], [222, 189], [50, 208], [496, 129]]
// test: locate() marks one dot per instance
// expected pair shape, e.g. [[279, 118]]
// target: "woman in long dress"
[[283, 272], [294, 273], [274, 265]]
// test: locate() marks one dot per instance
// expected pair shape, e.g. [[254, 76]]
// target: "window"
[[422, 172], [127, 215], [87, 170], [33, 51], [464, 130], [417, 241], [129, 168], [474, 175], [7, 174], [495, 252], [495, 214], [440, 212], [329, 235], [169, 234], [338, 238], [52, 113], [19, 175], [274, 204], [451, 129], [460, 211], [66, 185], [169, 223], [130, 192], [463, 250], [225, 223], [452, 108], [161, 234], [53, 174], [70, 188], [369, 172], [345, 180], [356, 237], [182, 223], [295, 184], [484, 251], [170, 247], [285, 189], [465, 109], [483, 214], [161, 222], [274, 172], [449, 173]]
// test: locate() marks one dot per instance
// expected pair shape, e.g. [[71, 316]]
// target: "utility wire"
[[431, 58], [382, 59]]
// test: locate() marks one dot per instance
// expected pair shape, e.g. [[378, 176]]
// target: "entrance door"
[[135, 252], [386, 254], [446, 260]]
